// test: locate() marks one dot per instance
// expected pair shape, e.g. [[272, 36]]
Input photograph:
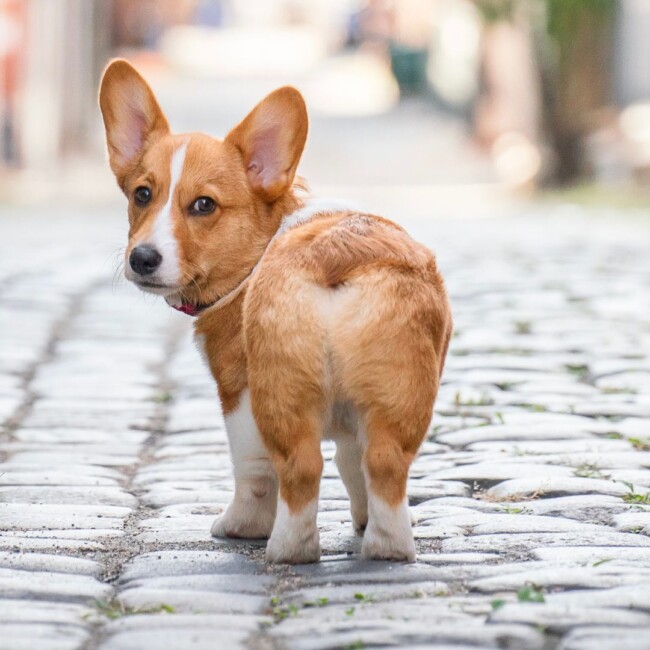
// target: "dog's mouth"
[[173, 295], [157, 288]]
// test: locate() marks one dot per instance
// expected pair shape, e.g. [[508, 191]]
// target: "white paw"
[[294, 539], [302, 551], [381, 545], [389, 535], [257, 525]]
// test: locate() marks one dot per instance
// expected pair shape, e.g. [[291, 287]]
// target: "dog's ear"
[[271, 139], [132, 116]]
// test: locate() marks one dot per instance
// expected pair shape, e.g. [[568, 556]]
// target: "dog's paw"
[[232, 525], [303, 550], [382, 545]]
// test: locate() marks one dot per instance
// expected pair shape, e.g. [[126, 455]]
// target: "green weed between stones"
[[114, 609], [513, 510], [530, 594], [642, 444], [581, 371], [589, 470], [483, 400], [363, 598], [279, 611], [635, 498], [523, 327], [162, 397]]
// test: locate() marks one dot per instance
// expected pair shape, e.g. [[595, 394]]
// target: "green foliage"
[[512, 510], [493, 11], [589, 470], [319, 602], [523, 327], [639, 499], [564, 15], [363, 598], [280, 610], [642, 444], [115, 609], [635, 498], [530, 594], [357, 645]]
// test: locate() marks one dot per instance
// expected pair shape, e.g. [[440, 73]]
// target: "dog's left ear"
[[132, 116], [271, 139]]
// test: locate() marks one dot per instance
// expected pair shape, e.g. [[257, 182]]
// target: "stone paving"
[[531, 494]]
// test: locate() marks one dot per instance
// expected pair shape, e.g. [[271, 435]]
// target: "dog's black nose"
[[144, 260]]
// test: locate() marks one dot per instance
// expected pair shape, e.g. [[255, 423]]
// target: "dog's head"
[[201, 210]]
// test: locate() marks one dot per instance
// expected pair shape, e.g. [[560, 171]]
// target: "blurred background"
[[434, 104]]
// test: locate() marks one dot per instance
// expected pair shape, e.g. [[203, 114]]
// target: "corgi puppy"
[[316, 320]]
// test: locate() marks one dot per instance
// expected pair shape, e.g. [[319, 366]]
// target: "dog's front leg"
[[251, 513]]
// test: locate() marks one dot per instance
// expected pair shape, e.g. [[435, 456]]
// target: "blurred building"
[[489, 68], [50, 64], [632, 52]]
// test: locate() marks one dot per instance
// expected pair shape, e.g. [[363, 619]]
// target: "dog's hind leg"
[[386, 463], [348, 459], [299, 466]]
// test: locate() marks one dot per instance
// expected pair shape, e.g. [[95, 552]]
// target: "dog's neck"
[[297, 208]]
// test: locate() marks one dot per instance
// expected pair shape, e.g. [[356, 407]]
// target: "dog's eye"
[[203, 205], [142, 195]]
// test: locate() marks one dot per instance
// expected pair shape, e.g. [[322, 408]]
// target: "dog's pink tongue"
[[190, 310], [185, 308]]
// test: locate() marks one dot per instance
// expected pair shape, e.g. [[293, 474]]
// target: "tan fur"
[[353, 297], [344, 309]]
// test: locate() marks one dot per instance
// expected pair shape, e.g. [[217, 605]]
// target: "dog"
[[316, 320]]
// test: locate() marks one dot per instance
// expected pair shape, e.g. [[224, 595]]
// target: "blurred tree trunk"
[[574, 58], [579, 79]]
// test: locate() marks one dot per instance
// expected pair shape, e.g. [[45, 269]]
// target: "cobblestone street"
[[531, 494]]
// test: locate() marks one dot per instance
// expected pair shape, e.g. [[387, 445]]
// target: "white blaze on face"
[[162, 235]]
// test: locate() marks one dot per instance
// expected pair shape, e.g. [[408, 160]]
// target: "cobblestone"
[[530, 496]]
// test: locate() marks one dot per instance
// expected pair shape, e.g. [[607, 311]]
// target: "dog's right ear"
[[132, 116]]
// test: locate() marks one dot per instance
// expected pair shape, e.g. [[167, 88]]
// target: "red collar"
[[189, 309], [197, 310]]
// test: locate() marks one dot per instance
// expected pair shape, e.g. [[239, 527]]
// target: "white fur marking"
[[295, 535], [311, 208], [249, 455], [162, 235], [252, 510], [199, 341], [388, 535]]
